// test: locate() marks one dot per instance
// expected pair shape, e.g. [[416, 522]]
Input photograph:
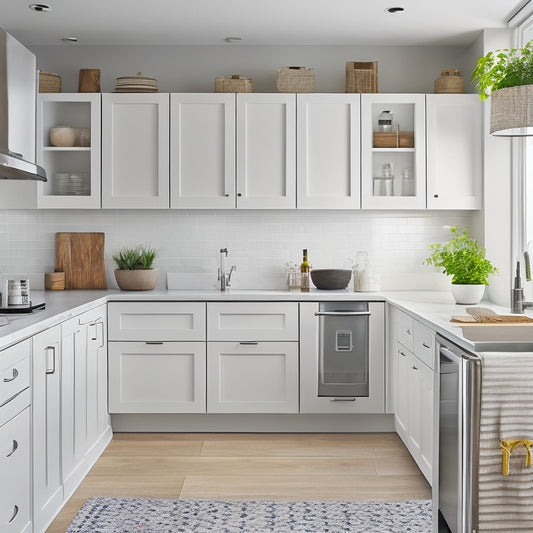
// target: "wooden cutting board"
[[81, 257]]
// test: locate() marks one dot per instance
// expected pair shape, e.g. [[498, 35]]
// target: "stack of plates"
[[136, 84], [72, 184]]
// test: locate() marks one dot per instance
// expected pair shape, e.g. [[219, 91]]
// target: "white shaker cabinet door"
[[202, 151], [328, 148], [252, 377], [454, 132], [135, 151], [46, 427], [266, 151]]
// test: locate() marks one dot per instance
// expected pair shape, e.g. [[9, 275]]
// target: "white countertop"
[[431, 308]]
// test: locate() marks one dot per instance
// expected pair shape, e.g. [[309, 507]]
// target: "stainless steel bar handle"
[[14, 449], [249, 343], [426, 346], [342, 313], [342, 399], [15, 513], [154, 342], [53, 369], [90, 322], [102, 325], [14, 376]]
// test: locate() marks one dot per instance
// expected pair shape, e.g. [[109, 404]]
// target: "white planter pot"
[[136, 280], [467, 294]]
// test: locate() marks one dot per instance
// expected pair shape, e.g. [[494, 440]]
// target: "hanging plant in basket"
[[506, 75]]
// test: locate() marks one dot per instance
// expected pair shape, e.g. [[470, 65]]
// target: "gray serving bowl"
[[331, 278]]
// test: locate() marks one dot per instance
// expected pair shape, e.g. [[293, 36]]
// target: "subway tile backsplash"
[[260, 243]]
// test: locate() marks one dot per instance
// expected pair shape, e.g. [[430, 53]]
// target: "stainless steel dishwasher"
[[459, 412]]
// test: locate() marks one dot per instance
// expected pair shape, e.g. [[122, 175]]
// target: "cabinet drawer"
[[405, 330], [157, 321], [424, 344], [15, 473], [14, 370], [254, 321], [162, 377]]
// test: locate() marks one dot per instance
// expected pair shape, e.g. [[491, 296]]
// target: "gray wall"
[[401, 69]]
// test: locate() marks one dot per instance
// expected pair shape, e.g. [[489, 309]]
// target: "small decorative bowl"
[[62, 136], [331, 278]]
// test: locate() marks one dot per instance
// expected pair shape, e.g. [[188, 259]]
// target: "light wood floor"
[[361, 466]]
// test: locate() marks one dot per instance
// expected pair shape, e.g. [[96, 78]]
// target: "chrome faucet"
[[224, 277], [518, 304]]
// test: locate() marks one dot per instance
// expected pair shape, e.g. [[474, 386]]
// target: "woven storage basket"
[[362, 77], [511, 108], [295, 80], [233, 84], [49, 82], [450, 82]]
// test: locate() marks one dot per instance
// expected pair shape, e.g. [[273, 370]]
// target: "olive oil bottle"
[[304, 272]]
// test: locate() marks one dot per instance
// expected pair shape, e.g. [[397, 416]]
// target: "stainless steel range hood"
[[17, 111]]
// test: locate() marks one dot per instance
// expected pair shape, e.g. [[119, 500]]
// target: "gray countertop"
[[431, 308]]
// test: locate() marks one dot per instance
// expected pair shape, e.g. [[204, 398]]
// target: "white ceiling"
[[319, 22]]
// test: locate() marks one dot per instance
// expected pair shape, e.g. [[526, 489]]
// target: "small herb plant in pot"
[[463, 259], [134, 268]]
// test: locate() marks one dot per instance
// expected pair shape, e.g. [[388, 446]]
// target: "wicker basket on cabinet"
[[49, 82], [233, 84], [362, 77], [295, 80]]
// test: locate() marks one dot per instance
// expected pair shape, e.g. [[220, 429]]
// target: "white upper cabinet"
[[328, 148], [135, 151], [454, 173], [73, 172], [266, 151], [393, 164], [202, 150]]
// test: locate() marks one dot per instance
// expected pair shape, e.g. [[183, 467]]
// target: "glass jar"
[[385, 121]]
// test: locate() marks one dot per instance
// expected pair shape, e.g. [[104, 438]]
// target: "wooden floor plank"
[[307, 487]]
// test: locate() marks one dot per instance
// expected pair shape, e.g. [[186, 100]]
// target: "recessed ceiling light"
[[233, 39], [394, 10], [40, 8], [70, 39]]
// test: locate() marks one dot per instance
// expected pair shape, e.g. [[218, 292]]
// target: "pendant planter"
[[137, 280], [467, 294], [511, 111]]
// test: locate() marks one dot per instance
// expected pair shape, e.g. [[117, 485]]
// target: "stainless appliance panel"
[[343, 350], [459, 415]]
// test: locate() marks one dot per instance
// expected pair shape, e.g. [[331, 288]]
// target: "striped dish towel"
[[505, 502]]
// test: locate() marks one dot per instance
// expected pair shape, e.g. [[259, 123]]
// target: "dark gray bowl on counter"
[[331, 278]]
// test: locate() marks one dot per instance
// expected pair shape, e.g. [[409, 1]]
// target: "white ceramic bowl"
[[62, 136]]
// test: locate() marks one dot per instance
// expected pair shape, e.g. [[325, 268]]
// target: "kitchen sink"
[[499, 333]]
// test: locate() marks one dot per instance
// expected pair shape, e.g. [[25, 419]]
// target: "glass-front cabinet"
[[393, 158], [68, 148]]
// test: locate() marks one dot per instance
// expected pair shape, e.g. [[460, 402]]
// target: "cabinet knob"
[[435, 196], [414, 367], [239, 194], [227, 195]]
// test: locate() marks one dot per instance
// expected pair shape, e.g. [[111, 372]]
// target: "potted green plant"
[[134, 268], [463, 259], [506, 75]]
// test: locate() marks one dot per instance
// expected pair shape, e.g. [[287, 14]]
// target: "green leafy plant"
[[503, 68], [139, 258], [462, 258]]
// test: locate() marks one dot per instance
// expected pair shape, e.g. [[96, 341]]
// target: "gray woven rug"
[[129, 515]]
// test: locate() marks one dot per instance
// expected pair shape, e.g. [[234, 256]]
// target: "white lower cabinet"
[[157, 377], [15, 444], [84, 416], [46, 426], [414, 415], [252, 377]]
